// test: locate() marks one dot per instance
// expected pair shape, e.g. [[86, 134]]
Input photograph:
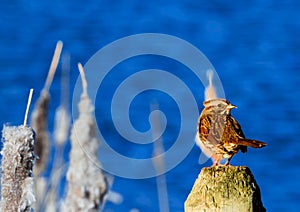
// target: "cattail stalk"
[[62, 116], [17, 164], [53, 65], [87, 184], [158, 161], [27, 107], [39, 122], [40, 114], [61, 135], [210, 91]]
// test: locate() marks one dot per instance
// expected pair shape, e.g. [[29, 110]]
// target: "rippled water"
[[254, 47]]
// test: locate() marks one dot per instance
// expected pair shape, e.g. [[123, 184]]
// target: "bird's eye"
[[219, 105]]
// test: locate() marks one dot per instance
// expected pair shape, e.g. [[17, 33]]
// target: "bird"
[[219, 134]]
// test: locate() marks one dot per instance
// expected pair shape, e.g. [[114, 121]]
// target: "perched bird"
[[219, 135]]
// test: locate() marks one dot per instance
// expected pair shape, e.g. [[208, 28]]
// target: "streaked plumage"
[[219, 135]]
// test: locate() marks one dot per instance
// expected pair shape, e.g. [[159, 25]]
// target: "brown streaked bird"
[[219, 135]]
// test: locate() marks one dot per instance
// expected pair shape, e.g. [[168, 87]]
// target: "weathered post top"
[[225, 188]]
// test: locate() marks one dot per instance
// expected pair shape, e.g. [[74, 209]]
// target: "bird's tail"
[[252, 143]]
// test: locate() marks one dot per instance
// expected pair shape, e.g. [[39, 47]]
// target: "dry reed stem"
[[158, 161], [61, 134], [50, 202], [62, 116], [210, 91], [84, 83], [54, 64], [39, 116], [27, 107], [39, 122], [65, 80]]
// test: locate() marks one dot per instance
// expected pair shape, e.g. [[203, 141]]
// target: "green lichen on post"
[[225, 188]]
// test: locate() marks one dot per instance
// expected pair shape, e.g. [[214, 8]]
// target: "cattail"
[[40, 114], [61, 135], [62, 123], [210, 92], [87, 184], [39, 123], [158, 162], [17, 164], [62, 116]]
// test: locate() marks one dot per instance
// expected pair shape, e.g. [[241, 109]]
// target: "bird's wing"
[[237, 132], [204, 127], [237, 127], [201, 138], [207, 130]]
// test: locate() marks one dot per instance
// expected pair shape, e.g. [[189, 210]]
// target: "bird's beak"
[[230, 106]]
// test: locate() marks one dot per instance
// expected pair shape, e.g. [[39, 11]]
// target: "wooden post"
[[224, 188]]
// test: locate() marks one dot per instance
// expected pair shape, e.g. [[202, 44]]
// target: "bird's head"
[[218, 106]]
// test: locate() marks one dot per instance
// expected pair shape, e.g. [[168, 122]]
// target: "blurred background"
[[254, 47]]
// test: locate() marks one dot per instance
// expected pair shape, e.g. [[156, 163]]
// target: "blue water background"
[[253, 45]]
